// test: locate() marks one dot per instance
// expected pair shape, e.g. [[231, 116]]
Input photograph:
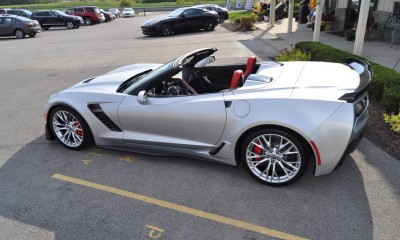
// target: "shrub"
[[393, 120], [293, 55], [391, 98], [125, 3], [245, 23]]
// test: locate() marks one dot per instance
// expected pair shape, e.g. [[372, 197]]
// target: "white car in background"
[[128, 12]]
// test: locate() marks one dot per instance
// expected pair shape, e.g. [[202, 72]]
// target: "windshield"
[[176, 13], [144, 78], [128, 9], [61, 13]]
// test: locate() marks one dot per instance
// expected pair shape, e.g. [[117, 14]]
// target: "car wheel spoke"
[[279, 161], [66, 127]]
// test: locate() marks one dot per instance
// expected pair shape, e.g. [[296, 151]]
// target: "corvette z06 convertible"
[[273, 118]]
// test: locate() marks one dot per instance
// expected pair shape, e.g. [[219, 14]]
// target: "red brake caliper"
[[257, 150], [79, 131]]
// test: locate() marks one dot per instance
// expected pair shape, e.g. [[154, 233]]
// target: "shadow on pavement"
[[329, 207]]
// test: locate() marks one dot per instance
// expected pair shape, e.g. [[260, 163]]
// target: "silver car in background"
[[12, 25], [273, 118], [115, 12]]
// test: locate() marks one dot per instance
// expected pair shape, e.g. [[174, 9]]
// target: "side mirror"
[[142, 97]]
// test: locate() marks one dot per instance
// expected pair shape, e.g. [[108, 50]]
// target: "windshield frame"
[[149, 78], [177, 12]]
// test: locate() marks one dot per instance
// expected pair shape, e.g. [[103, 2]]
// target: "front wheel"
[[87, 21], [69, 25], [274, 157], [19, 33], [166, 29], [70, 128], [209, 25]]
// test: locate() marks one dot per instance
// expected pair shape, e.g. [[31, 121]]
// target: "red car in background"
[[89, 14]]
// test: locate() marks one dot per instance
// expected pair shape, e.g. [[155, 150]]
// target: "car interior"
[[205, 79]]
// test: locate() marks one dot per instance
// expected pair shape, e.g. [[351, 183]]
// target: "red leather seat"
[[237, 79], [251, 62]]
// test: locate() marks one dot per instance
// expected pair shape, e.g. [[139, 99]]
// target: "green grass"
[[104, 4], [237, 14]]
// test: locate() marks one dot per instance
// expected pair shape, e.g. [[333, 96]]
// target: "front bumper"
[[150, 30]]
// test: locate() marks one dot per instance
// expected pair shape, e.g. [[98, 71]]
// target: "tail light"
[[28, 24]]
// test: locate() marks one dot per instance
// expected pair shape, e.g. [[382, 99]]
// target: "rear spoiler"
[[364, 70]]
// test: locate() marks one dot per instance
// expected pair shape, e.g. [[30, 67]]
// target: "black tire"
[[166, 30], [32, 35], [209, 25], [88, 21], [69, 25], [221, 18], [19, 33], [276, 166], [75, 133]]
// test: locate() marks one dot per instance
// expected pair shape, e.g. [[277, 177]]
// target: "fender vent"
[[99, 113]]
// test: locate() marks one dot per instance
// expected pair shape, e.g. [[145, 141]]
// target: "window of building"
[[396, 8]]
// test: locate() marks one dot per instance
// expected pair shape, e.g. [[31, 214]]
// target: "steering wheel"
[[176, 87], [186, 88]]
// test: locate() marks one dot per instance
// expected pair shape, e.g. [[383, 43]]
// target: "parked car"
[[102, 18], [107, 16], [115, 11], [11, 25], [3, 10], [128, 12], [273, 118], [89, 14], [182, 19], [55, 18], [222, 12], [19, 12]]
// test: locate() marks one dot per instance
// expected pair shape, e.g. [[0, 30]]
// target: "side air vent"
[[88, 80], [99, 113]]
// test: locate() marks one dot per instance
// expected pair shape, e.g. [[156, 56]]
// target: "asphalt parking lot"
[[49, 192]]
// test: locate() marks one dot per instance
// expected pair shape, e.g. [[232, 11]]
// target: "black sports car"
[[222, 12], [182, 19]]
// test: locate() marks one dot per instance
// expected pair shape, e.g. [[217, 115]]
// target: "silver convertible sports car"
[[274, 118]]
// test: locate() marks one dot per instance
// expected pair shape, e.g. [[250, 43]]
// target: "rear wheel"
[[166, 29], [87, 21], [69, 25], [209, 25], [19, 33], [221, 18], [274, 157], [70, 128]]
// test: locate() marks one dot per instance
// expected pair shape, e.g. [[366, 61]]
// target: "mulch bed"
[[379, 133]]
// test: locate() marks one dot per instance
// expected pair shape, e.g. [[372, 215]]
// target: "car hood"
[[313, 80], [110, 81]]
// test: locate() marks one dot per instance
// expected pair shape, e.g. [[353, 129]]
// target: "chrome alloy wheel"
[[273, 158], [70, 25], [19, 33], [67, 129]]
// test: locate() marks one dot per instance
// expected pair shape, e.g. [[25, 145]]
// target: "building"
[[344, 9]]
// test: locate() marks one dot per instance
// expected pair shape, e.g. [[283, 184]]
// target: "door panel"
[[185, 122]]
